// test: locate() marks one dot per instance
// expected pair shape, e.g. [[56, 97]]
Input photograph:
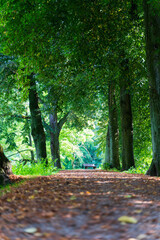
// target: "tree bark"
[[5, 168], [114, 131], [30, 144], [152, 32], [126, 119], [29, 136], [54, 134], [36, 123], [107, 150], [54, 143]]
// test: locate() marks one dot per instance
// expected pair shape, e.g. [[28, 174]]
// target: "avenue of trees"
[[70, 65]]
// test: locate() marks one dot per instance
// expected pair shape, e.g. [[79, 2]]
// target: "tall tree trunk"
[[36, 123], [114, 131], [107, 150], [30, 144], [54, 134], [29, 137], [126, 119], [55, 150], [152, 28]]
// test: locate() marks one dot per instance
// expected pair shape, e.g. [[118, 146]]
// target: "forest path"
[[82, 204]]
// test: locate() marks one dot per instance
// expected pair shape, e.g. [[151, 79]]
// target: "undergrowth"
[[138, 170], [142, 165], [35, 169]]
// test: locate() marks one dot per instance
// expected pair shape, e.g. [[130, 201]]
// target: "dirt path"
[[82, 204]]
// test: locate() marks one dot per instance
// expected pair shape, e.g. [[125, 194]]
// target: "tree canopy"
[[88, 59]]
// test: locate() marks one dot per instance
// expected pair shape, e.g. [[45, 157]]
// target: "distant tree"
[[107, 161], [126, 116], [54, 135], [114, 129]]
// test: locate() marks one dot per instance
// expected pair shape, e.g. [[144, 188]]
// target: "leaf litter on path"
[[82, 204]]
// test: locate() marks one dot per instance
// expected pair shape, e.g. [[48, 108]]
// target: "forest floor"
[[82, 204]]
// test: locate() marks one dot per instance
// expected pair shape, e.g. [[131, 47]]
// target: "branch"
[[15, 116], [25, 150], [62, 121]]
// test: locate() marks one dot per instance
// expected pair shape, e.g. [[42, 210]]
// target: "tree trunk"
[[55, 150], [126, 119], [114, 131], [5, 168], [107, 150], [29, 137], [30, 144], [54, 133], [36, 123], [152, 28]]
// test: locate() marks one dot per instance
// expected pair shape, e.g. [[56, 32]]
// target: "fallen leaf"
[[47, 214], [81, 193], [126, 219], [142, 236], [30, 230], [88, 193], [73, 197], [127, 196], [37, 234], [22, 216], [138, 211], [31, 197]]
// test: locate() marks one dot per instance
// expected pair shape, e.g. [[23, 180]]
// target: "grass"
[[138, 170], [34, 169], [7, 188], [30, 170], [142, 165]]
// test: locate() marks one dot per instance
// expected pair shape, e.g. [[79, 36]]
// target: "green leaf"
[[73, 197], [127, 196], [127, 219]]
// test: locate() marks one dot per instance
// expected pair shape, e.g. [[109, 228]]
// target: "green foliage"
[[78, 147], [35, 169], [74, 48], [108, 167], [142, 165]]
